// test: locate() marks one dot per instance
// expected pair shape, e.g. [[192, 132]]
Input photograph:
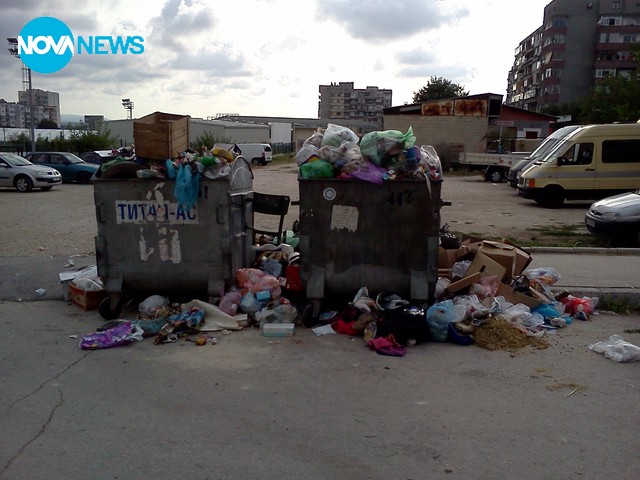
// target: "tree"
[[437, 88], [45, 123]]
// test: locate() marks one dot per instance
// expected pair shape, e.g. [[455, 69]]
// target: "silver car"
[[19, 173], [616, 218]]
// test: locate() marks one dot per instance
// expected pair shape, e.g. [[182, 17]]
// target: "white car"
[[616, 218], [19, 173]]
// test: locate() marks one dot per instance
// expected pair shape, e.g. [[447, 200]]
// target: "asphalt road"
[[301, 407]]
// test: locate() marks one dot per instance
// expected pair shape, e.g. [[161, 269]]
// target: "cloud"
[[379, 20], [179, 21]]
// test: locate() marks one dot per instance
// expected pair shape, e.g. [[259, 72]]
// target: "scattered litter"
[[616, 349], [323, 330], [41, 292]]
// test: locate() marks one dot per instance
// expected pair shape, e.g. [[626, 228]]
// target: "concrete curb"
[[583, 250]]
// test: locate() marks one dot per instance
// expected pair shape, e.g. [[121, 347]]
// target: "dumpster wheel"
[[105, 309]]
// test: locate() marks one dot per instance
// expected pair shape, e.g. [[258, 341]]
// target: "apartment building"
[[579, 43], [342, 102], [46, 106]]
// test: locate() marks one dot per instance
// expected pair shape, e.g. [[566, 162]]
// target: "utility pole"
[[13, 50], [128, 105]]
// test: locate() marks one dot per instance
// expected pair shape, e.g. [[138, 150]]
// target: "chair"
[[269, 204]]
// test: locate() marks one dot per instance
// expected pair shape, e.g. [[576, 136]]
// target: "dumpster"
[[355, 233], [148, 243]]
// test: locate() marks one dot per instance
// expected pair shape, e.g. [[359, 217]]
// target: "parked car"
[[72, 168], [616, 218], [19, 173], [98, 156]]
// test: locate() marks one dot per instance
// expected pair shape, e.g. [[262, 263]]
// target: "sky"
[[268, 57]]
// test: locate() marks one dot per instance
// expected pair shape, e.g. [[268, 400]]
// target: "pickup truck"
[[495, 166]]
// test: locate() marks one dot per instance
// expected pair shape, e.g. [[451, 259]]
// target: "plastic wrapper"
[[315, 140], [617, 349], [308, 153], [472, 305], [255, 280], [580, 308], [439, 315], [336, 136], [376, 146], [369, 172], [317, 169], [123, 333], [150, 306], [430, 162]]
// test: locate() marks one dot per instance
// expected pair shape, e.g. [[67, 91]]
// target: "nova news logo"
[[46, 45]]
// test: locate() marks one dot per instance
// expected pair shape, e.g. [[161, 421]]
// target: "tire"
[[107, 312], [23, 183], [551, 197], [494, 175], [83, 177]]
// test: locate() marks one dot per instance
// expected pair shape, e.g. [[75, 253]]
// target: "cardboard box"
[[512, 258], [486, 266], [160, 136], [510, 295], [278, 329], [86, 300], [447, 257]]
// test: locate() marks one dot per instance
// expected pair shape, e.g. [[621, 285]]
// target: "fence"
[[282, 148]]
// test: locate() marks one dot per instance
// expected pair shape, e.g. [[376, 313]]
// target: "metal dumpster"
[[148, 243], [354, 233]]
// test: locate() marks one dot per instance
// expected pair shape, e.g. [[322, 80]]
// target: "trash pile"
[[485, 296], [378, 156]]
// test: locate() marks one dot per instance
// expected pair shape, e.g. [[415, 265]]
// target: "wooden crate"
[[159, 136]]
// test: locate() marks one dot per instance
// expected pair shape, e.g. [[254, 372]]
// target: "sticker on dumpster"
[[329, 194], [344, 218], [136, 211]]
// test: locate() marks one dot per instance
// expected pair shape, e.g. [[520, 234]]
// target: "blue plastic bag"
[[187, 187]]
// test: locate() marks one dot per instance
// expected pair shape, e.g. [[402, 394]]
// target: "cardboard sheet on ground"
[[215, 319]]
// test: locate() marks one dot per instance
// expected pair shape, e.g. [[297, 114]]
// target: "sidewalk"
[[610, 274]]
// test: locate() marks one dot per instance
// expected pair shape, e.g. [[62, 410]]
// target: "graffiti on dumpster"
[[154, 209], [136, 211], [400, 198]]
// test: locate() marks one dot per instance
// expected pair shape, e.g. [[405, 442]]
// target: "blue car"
[[71, 167]]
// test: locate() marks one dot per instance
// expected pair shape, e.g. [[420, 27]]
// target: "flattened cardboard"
[[510, 295], [463, 283], [486, 267]]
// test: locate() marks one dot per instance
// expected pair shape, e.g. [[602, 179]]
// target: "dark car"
[[71, 167], [98, 157], [616, 218]]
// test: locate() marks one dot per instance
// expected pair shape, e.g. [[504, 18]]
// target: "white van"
[[592, 162], [259, 153]]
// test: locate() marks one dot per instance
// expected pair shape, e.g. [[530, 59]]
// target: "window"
[[605, 72], [621, 151], [610, 20], [579, 154], [615, 5]]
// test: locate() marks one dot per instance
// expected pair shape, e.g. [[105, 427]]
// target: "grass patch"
[[563, 236]]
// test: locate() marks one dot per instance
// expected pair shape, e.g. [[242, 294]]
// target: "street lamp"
[[128, 105], [13, 50]]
